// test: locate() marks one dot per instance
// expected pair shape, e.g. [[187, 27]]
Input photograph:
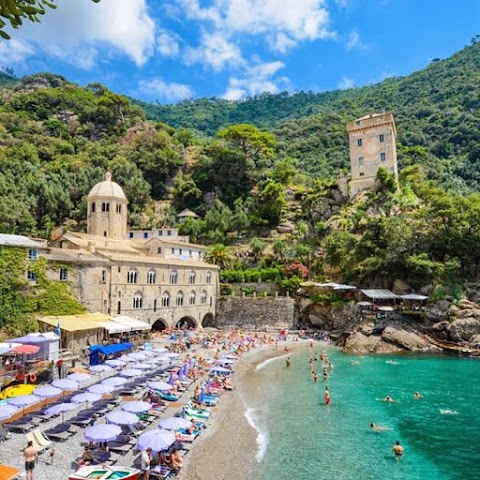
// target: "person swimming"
[[314, 376], [327, 397], [388, 399], [417, 396], [379, 428], [398, 450], [288, 362], [446, 411]]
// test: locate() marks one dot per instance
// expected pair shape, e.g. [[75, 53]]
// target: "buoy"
[[33, 377]]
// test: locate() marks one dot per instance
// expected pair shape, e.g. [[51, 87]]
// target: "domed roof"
[[107, 189]]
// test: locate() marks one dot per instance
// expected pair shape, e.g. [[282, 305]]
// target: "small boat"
[[100, 472], [17, 390]]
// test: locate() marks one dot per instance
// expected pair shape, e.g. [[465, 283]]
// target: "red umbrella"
[[26, 349]]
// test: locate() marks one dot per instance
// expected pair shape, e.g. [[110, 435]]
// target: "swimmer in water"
[[316, 357], [325, 375], [327, 397], [330, 366], [388, 399], [379, 428], [288, 362], [448, 412], [398, 450], [314, 376], [354, 362], [417, 396]]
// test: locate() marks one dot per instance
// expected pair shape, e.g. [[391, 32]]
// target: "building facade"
[[372, 143], [162, 281]]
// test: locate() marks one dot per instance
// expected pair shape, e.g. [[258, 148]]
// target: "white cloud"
[[342, 3], [354, 42], [168, 44], [346, 83], [215, 51], [76, 30], [281, 42], [157, 87], [14, 52], [256, 79]]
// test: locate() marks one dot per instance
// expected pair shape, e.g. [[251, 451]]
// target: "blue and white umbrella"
[[174, 423], [136, 406], [23, 400], [61, 408], [230, 357], [130, 372], [79, 377], [100, 368], [87, 397], [164, 386], [119, 417], [101, 389], [221, 370], [103, 432], [47, 392], [6, 411], [138, 355], [115, 363], [65, 384], [157, 440], [114, 381]]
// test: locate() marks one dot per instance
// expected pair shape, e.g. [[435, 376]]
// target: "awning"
[[36, 338], [111, 349], [73, 323], [364, 304], [115, 327], [413, 296], [385, 309], [344, 287], [132, 323], [379, 294]]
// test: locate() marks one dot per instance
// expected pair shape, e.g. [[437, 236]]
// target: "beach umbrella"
[[115, 363], [157, 440], [100, 368], [103, 432], [138, 355], [65, 384], [226, 361], [79, 377], [171, 355], [60, 408], [160, 350], [47, 391], [173, 377], [100, 389], [230, 357], [130, 372], [143, 366], [26, 349], [23, 400], [86, 397], [174, 423], [136, 406], [181, 375], [220, 370], [126, 358], [114, 381], [159, 386], [119, 417], [6, 411]]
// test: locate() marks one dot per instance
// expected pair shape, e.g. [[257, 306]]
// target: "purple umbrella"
[[138, 355], [119, 417], [86, 397], [100, 368], [65, 384], [102, 433], [143, 366], [160, 350], [23, 400], [171, 355], [181, 375], [6, 411], [60, 408], [114, 381], [101, 389], [136, 407], [159, 386], [225, 361], [130, 372], [172, 378], [79, 377], [221, 370], [47, 392], [157, 440], [127, 359], [115, 363], [174, 423]]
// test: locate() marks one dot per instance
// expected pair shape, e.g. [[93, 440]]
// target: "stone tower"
[[107, 210], [372, 141]]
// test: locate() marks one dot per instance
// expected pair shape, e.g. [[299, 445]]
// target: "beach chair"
[[32, 438], [160, 471], [118, 447], [41, 438], [21, 426]]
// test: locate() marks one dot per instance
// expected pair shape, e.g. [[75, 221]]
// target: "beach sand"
[[227, 449]]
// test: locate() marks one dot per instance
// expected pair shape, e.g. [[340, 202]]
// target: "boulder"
[[401, 287], [360, 343], [463, 329], [465, 304], [395, 335], [286, 227]]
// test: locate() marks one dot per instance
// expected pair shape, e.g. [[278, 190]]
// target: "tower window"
[[92, 208], [208, 277], [165, 299], [104, 276], [151, 277], [119, 208], [362, 174], [145, 234], [382, 156], [381, 137], [155, 305], [105, 207], [179, 251], [359, 142], [191, 298], [360, 161], [173, 277], [191, 278], [119, 308], [138, 301], [63, 275], [160, 233], [104, 233], [173, 250], [203, 297], [179, 299], [132, 276]]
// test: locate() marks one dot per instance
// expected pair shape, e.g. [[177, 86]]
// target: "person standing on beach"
[[31, 458], [146, 459], [327, 397], [288, 362]]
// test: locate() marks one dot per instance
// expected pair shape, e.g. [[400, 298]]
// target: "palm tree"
[[220, 255]]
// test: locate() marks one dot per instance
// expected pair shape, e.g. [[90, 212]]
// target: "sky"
[[171, 50]]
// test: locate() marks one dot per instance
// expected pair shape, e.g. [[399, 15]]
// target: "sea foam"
[[262, 365], [262, 434]]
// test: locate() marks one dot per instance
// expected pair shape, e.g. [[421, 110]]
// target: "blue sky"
[[169, 50]]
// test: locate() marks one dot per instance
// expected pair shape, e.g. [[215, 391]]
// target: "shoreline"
[[231, 443]]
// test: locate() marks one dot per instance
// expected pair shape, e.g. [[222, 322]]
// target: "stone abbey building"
[[154, 276]]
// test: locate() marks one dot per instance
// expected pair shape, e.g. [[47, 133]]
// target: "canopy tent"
[[96, 350], [341, 286], [414, 297], [364, 304], [48, 343], [379, 294], [385, 309], [132, 323], [115, 327]]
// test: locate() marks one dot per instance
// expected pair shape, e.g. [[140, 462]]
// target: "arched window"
[[138, 301], [105, 207], [203, 297], [191, 278], [118, 208], [208, 277], [165, 299], [119, 308], [191, 298], [179, 299], [155, 305], [173, 277], [92, 208], [151, 276], [132, 276]]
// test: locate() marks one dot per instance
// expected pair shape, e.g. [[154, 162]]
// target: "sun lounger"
[[160, 471], [41, 438], [122, 448], [31, 438], [21, 426]]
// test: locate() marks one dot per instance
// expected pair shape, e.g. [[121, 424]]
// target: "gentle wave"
[[262, 435], [262, 365]]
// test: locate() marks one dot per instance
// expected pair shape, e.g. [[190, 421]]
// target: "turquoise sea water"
[[302, 439]]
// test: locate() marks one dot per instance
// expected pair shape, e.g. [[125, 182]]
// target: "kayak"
[[17, 390]]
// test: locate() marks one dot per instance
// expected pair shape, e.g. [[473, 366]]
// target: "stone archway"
[[190, 321], [159, 325], [209, 320]]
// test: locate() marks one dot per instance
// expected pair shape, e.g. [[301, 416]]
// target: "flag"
[[58, 331]]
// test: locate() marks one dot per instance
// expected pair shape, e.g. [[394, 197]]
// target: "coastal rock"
[[286, 227], [453, 310], [401, 287], [467, 305], [395, 335], [462, 330], [360, 343]]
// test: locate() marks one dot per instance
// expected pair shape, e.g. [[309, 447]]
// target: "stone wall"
[[262, 312]]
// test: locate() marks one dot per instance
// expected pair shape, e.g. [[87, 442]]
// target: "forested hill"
[[437, 112]]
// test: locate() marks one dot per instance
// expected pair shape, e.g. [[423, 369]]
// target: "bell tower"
[[107, 210]]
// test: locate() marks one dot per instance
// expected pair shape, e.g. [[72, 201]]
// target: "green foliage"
[[219, 255], [270, 202], [249, 275]]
